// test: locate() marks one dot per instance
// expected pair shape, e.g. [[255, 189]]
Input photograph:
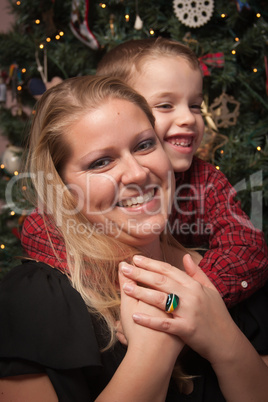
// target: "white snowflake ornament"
[[193, 13]]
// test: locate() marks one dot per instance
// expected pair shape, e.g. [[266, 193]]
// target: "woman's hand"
[[201, 319], [132, 334]]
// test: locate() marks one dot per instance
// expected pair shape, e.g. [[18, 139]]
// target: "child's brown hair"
[[126, 59]]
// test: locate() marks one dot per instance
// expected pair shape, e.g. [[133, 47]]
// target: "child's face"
[[173, 90]]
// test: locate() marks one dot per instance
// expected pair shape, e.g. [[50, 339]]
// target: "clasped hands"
[[201, 319]]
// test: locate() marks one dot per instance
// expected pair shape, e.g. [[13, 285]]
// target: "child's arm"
[[42, 242], [237, 261]]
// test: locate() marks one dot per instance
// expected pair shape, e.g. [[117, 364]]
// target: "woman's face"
[[119, 172]]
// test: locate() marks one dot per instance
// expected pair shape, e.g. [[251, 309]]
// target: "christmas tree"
[[53, 40]]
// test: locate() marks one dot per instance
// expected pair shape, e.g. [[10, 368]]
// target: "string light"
[[255, 70], [61, 33], [24, 188], [222, 151], [258, 15], [223, 15], [12, 213], [57, 37], [2, 246], [151, 32], [23, 70], [41, 46], [19, 88], [127, 17], [18, 3], [16, 173], [237, 39], [258, 148], [103, 5], [233, 51], [2, 166], [48, 40], [217, 167], [37, 22]]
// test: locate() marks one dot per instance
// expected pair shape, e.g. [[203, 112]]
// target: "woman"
[[103, 181]]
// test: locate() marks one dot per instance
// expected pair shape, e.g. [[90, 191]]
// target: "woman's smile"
[[116, 167]]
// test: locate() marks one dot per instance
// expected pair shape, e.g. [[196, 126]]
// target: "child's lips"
[[184, 141]]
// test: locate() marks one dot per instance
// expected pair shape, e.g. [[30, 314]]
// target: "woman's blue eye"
[[99, 163], [145, 145]]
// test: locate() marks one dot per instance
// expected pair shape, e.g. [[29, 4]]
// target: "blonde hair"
[[92, 257], [130, 57]]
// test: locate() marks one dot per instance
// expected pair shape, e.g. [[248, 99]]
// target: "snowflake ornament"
[[193, 13]]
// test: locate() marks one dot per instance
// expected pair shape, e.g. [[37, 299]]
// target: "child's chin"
[[183, 164]]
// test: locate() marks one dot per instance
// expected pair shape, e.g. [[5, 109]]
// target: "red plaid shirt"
[[204, 214]]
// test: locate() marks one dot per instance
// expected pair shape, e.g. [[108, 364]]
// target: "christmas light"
[[18, 3], [258, 15], [41, 46], [37, 22], [19, 88], [16, 173], [151, 32], [61, 33], [255, 70], [237, 39], [23, 70], [258, 148], [2, 246], [103, 5], [127, 17], [233, 51], [48, 40], [223, 15], [2, 166], [222, 151], [57, 37], [217, 167], [12, 213]]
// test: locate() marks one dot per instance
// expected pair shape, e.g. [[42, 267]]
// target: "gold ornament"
[[212, 139], [225, 110]]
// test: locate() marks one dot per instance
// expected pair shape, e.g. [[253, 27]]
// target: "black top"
[[45, 327]]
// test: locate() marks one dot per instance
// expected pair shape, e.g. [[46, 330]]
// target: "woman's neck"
[[153, 250]]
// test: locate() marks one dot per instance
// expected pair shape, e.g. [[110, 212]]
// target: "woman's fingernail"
[[136, 317], [126, 269], [127, 287], [138, 258]]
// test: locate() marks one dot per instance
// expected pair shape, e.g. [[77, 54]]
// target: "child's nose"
[[184, 117]]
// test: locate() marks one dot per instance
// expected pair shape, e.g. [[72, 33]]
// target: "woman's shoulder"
[[45, 318]]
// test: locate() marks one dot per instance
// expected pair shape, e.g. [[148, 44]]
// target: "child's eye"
[[99, 163], [145, 145], [196, 107], [163, 106]]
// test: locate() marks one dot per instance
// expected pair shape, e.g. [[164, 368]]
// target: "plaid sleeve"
[[236, 260], [42, 242], [238, 253]]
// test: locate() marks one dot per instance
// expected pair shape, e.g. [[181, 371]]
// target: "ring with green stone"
[[172, 302]]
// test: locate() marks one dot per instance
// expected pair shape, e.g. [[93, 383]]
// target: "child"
[[205, 213]]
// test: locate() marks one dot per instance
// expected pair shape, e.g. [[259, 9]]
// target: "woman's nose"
[[133, 171]]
